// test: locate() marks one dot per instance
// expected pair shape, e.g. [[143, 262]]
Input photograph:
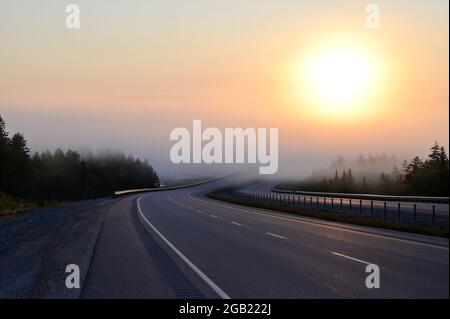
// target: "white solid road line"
[[213, 216], [200, 273], [237, 224], [275, 235], [351, 258]]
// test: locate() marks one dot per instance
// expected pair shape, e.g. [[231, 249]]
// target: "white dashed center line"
[[237, 224], [275, 235], [351, 258]]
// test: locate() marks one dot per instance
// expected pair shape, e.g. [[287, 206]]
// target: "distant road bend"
[[181, 244]]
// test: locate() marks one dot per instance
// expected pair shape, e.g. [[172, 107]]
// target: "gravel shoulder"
[[36, 247]]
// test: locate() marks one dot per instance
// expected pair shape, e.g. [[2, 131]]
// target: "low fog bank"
[[369, 167]]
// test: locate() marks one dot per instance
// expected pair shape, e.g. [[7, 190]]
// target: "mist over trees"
[[382, 175], [67, 175]]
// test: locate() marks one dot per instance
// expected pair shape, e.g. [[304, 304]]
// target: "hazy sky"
[[137, 69]]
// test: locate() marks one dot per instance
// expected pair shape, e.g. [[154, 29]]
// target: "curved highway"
[[181, 244]]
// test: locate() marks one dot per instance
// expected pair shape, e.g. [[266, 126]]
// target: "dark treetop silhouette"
[[67, 176]]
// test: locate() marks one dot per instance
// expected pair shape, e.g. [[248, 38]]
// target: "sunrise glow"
[[338, 81]]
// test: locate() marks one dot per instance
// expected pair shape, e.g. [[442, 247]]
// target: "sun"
[[338, 81], [340, 76]]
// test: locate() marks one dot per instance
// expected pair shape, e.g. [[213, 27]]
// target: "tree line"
[[67, 175], [429, 177]]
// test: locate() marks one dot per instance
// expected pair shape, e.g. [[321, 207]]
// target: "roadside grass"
[[10, 206], [226, 196]]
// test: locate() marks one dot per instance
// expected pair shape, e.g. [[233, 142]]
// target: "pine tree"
[[4, 154], [364, 183], [19, 165]]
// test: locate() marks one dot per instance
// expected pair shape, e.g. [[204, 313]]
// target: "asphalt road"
[[180, 244]]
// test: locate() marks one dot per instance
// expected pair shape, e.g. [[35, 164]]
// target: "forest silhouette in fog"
[[429, 177], [67, 175]]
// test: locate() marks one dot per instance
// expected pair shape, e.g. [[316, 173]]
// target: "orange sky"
[[137, 69]]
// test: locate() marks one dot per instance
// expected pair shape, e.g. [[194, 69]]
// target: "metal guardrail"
[[419, 199], [413, 212], [159, 189]]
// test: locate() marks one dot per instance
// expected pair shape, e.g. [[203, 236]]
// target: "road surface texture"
[[181, 244]]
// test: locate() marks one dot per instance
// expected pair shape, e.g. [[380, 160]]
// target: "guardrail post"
[[310, 202], [385, 210], [415, 212], [434, 213], [371, 208], [398, 211], [317, 202], [360, 206], [304, 201], [350, 204], [332, 202], [341, 204], [324, 203]]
